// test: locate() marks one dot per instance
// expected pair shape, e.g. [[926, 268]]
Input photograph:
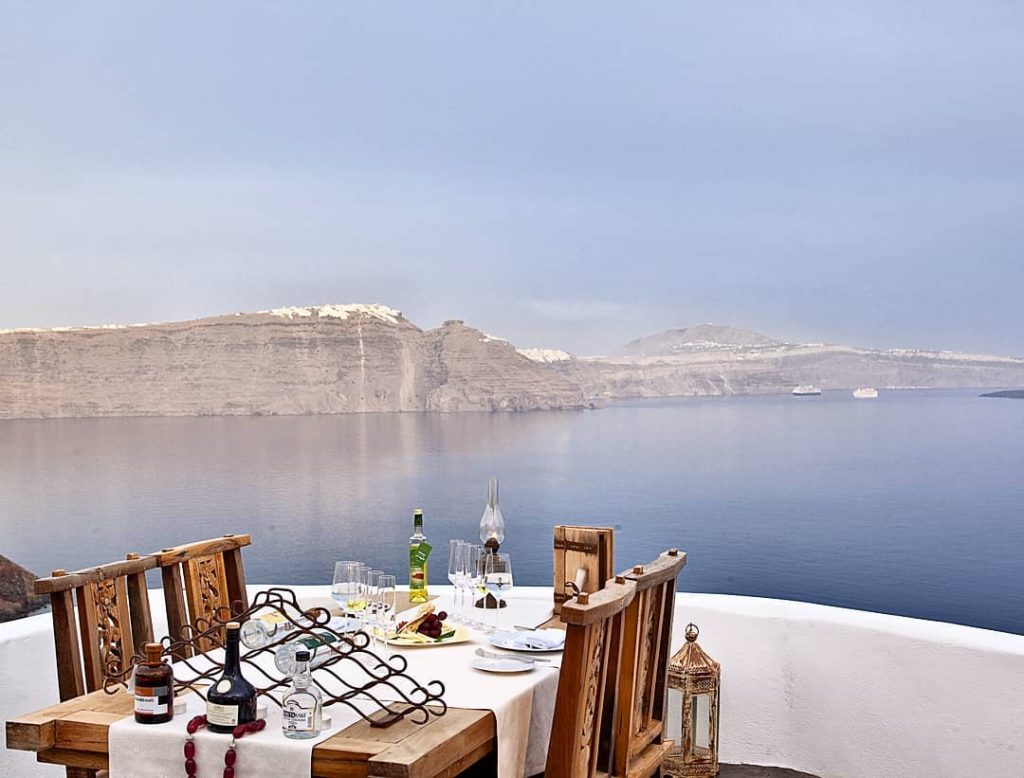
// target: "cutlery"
[[495, 655]]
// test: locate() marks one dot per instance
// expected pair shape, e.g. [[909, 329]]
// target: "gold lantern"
[[694, 683]]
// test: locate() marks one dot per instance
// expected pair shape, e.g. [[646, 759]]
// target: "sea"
[[910, 504]]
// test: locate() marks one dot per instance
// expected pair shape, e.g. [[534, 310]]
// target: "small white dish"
[[502, 665]]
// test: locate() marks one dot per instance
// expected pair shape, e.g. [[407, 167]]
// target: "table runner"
[[156, 750]]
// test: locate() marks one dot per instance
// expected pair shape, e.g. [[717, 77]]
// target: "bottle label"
[[148, 702], [418, 554], [296, 718], [222, 715], [418, 568]]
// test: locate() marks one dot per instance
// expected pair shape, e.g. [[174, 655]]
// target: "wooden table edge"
[[52, 733]]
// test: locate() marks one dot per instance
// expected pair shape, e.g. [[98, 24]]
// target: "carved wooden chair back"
[[200, 580], [113, 620], [591, 625], [634, 741]]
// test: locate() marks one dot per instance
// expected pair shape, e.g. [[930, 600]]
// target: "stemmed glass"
[[498, 581], [368, 583], [454, 562], [346, 575], [473, 582], [386, 601]]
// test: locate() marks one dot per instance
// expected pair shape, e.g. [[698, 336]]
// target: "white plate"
[[501, 665], [508, 640]]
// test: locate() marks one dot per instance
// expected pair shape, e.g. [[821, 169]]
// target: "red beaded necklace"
[[229, 756]]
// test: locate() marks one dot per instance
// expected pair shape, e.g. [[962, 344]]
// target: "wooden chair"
[[633, 742], [630, 623], [593, 625], [200, 579], [113, 621]]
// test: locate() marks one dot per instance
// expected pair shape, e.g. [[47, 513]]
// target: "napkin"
[[538, 639]]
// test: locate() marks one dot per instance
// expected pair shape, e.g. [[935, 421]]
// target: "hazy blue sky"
[[561, 174]]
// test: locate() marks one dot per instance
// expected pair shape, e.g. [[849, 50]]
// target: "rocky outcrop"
[[16, 596], [323, 359], [709, 360]]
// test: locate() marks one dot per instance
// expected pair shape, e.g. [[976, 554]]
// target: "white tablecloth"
[[523, 705]]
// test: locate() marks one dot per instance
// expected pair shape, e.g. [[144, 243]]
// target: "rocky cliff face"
[[325, 359], [367, 358], [710, 360], [16, 597]]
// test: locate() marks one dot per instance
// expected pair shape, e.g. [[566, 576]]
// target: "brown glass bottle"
[[154, 688]]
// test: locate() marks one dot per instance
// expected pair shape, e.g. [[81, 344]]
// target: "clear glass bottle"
[[286, 655], [419, 550], [302, 707], [260, 630]]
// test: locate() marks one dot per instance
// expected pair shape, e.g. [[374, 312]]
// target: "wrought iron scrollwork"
[[347, 671]]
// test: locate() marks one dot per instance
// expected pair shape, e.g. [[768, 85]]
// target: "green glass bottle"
[[419, 550]]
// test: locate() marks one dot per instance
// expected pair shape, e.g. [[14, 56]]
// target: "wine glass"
[[386, 602], [456, 570], [474, 582], [341, 587], [357, 601], [498, 580], [368, 583]]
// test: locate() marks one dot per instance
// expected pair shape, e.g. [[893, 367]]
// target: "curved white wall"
[[832, 692]]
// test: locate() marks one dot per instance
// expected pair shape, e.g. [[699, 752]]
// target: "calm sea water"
[[909, 504]]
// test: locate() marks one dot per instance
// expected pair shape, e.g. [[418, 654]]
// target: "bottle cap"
[[154, 652], [418, 512], [301, 656], [233, 625]]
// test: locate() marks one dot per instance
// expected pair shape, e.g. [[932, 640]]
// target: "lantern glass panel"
[[674, 717], [700, 711]]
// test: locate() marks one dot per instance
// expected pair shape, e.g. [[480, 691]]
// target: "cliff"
[[713, 360], [324, 359], [16, 597], [370, 358]]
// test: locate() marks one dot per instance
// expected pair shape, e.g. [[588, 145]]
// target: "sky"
[[569, 175]]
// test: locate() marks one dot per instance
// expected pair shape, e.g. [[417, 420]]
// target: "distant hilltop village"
[[369, 358]]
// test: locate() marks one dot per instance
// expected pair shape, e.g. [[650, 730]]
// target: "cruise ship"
[[865, 393], [806, 390]]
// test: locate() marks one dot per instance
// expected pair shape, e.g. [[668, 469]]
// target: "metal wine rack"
[[350, 673]]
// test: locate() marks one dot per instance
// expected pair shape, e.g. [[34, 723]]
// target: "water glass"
[[342, 587]]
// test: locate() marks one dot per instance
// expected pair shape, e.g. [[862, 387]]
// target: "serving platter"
[[417, 640]]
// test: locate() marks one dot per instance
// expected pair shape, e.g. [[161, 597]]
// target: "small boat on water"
[[806, 390], [865, 393]]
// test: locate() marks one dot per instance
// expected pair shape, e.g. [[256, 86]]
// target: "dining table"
[[493, 725]]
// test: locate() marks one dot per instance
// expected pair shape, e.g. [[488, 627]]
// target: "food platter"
[[416, 640], [427, 628]]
